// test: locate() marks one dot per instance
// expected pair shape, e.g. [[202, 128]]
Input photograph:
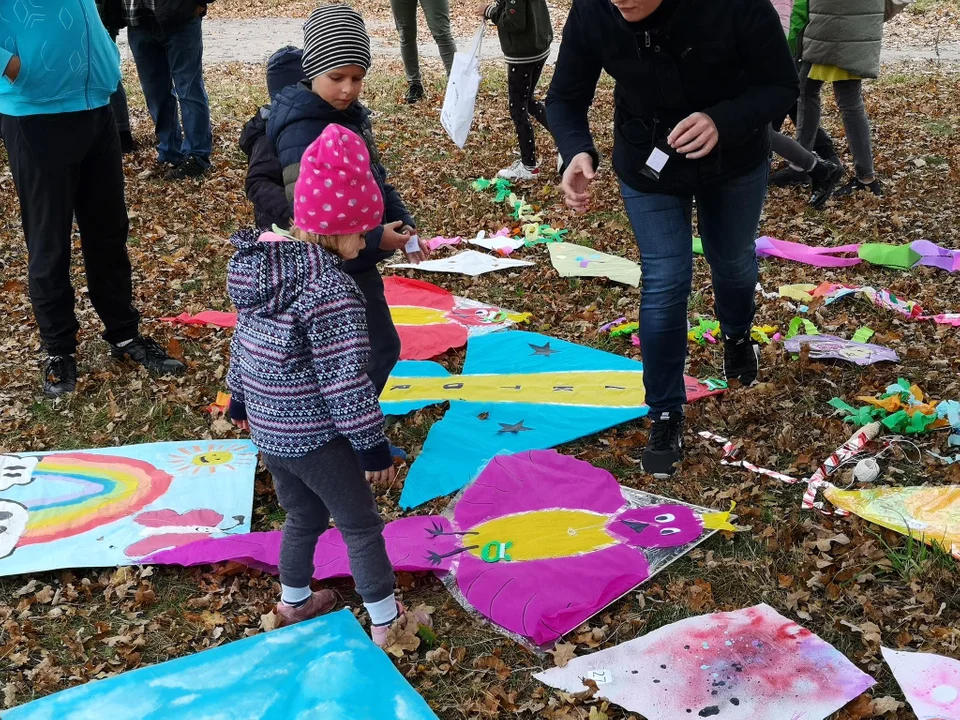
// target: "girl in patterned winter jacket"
[[299, 382]]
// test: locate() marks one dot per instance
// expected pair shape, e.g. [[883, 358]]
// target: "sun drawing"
[[196, 459]]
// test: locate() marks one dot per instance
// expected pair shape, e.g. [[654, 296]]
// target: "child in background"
[[298, 377], [525, 36], [336, 57]]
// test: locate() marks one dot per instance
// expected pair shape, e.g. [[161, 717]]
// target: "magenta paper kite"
[[829, 346], [431, 320], [817, 256], [207, 317], [931, 683], [751, 664], [936, 256]]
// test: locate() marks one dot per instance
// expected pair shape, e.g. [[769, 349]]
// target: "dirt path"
[[254, 40]]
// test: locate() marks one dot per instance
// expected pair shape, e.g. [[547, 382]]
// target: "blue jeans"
[[728, 215], [170, 66]]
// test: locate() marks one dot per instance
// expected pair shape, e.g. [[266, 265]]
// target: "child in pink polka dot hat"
[[335, 193]]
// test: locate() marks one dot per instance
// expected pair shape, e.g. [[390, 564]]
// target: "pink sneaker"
[[319, 603], [382, 633]]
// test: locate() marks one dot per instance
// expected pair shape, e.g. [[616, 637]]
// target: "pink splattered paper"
[[931, 683], [743, 665]]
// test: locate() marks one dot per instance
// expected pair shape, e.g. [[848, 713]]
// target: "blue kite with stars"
[[518, 391]]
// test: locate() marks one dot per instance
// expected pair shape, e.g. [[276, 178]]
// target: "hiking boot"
[[189, 168], [59, 375], [519, 171], [855, 185], [787, 177], [385, 635], [741, 360], [665, 446], [147, 352], [415, 93], [825, 177], [319, 603]]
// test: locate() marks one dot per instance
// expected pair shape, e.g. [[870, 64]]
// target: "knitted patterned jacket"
[[299, 353]]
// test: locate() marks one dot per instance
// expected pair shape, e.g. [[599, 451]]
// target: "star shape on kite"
[[515, 428], [542, 349]]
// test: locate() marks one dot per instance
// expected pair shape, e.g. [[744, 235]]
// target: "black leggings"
[[522, 80]]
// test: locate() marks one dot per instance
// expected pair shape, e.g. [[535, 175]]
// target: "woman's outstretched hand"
[[576, 182]]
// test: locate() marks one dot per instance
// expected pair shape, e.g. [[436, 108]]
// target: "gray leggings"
[[310, 488], [437, 13], [849, 95], [792, 151]]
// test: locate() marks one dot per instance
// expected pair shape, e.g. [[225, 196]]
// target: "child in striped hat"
[[299, 383]]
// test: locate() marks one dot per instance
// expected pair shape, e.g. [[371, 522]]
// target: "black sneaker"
[[59, 375], [148, 353], [665, 445], [127, 143], [825, 177], [856, 186], [415, 93], [788, 177], [741, 360], [189, 168]]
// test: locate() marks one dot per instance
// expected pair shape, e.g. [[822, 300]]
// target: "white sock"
[[382, 612], [295, 595]]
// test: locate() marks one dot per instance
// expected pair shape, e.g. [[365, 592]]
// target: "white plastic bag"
[[461, 98]]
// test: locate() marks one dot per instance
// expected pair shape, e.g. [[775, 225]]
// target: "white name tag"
[[413, 245], [658, 158]]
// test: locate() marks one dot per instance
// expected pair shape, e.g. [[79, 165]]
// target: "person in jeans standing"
[[698, 85], [437, 13], [166, 39], [65, 158], [525, 35]]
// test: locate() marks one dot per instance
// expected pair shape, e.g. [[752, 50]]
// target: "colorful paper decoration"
[[899, 257], [501, 186], [578, 261], [500, 242], [518, 391], [801, 292], [931, 683], [901, 409], [928, 513], [831, 346], [431, 320], [440, 241], [97, 508], [881, 298], [207, 317], [468, 262], [742, 665], [321, 668], [816, 256], [936, 256]]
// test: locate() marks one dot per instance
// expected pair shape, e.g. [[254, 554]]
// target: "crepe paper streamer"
[[635, 341], [800, 293], [705, 331], [741, 665], [468, 262], [546, 541], [928, 513], [930, 683], [207, 317], [97, 508], [901, 409], [522, 210], [851, 448], [501, 186], [944, 459], [606, 327], [497, 242], [406, 540], [761, 334], [863, 335], [798, 324], [439, 241], [832, 347], [881, 298], [716, 384], [518, 391], [322, 668], [899, 257], [572, 260], [221, 404], [816, 256], [768, 296], [697, 246], [949, 410], [625, 329], [730, 451], [936, 256], [551, 234], [943, 319]]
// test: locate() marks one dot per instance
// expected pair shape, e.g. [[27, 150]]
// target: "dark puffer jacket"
[[726, 59], [297, 117], [846, 34], [524, 28]]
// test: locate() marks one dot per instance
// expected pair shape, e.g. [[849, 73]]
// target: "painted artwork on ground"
[[431, 320], [95, 508], [743, 665], [321, 668], [518, 391], [823, 347], [929, 513], [578, 261], [931, 683]]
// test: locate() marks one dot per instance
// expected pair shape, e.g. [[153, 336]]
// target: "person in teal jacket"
[[59, 69]]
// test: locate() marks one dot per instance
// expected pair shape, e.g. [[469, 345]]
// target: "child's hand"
[[242, 424], [394, 238], [421, 255], [482, 9], [381, 477]]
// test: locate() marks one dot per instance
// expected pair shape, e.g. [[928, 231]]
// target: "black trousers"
[[68, 165], [522, 79], [384, 340]]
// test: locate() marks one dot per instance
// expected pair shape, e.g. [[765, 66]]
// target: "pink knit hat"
[[336, 194]]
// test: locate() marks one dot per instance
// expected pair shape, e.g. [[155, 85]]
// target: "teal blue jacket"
[[68, 62]]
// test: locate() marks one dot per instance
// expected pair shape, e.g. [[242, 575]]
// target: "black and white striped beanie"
[[334, 36]]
